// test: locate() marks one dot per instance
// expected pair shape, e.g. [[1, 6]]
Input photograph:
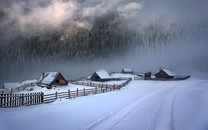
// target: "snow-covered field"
[[65, 88], [120, 75], [72, 87], [141, 105]]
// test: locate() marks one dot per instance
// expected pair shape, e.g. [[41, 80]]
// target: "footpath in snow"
[[144, 105]]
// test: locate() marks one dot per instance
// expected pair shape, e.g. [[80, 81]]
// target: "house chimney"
[[43, 75]]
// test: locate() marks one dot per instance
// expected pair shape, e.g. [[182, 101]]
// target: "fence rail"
[[15, 100], [18, 89], [94, 84]]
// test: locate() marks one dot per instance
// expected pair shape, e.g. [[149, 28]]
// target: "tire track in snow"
[[173, 107], [180, 93], [167, 107], [117, 116], [162, 107], [155, 117]]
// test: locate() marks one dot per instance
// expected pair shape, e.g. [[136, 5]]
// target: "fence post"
[[22, 98], [56, 95], [95, 90], [69, 93], [106, 89], [31, 96], [1, 102], [11, 90], [42, 97], [101, 89], [84, 92], [77, 92]]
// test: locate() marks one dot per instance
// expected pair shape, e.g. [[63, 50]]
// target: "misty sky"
[[38, 16], [28, 18]]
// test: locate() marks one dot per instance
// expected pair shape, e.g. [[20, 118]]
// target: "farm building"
[[12, 85], [165, 74], [147, 75], [49, 79], [100, 75], [127, 71]]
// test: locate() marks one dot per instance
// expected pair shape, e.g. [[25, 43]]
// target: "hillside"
[[168, 105]]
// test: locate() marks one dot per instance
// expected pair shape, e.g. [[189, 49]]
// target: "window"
[[57, 81]]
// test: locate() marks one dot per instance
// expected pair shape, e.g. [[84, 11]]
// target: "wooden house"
[[49, 79], [101, 75], [165, 74], [127, 71]]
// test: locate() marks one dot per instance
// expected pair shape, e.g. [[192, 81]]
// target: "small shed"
[[165, 74], [127, 71], [101, 75], [147, 75], [49, 79], [12, 85]]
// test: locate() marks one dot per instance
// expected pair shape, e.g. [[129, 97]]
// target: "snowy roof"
[[11, 85], [48, 77], [28, 82], [103, 74], [169, 72], [127, 69]]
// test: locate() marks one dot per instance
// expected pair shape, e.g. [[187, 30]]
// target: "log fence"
[[15, 100], [18, 89], [95, 84]]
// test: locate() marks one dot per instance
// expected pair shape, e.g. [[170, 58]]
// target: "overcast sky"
[[28, 16]]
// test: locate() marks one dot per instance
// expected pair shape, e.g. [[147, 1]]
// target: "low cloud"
[[31, 17], [39, 16], [35, 18]]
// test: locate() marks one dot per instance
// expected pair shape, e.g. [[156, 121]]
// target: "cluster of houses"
[[49, 79], [164, 74]]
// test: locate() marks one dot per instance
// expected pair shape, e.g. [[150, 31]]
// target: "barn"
[[165, 74], [49, 79], [101, 75], [127, 71]]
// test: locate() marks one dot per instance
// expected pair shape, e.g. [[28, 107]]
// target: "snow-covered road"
[[156, 105], [141, 105], [160, 109]]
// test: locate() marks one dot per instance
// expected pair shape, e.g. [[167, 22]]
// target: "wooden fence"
[[75, 93], [18, 89], [95, 84], [15, 100]]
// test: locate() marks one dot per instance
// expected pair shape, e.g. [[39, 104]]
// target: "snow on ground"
[[158, 105], [28, 82], [106, 82], [121, 75], [72, 87]]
